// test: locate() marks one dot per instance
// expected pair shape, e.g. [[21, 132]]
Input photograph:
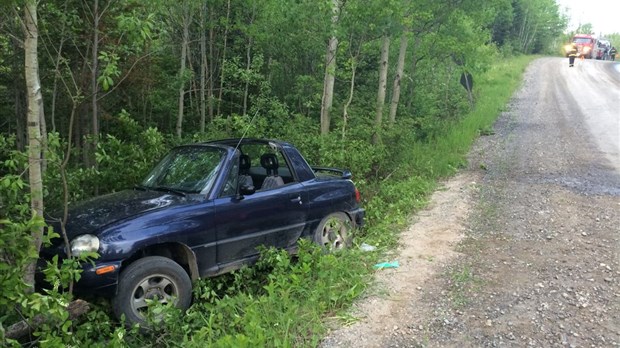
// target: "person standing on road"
[[572, 54], [612, 53]]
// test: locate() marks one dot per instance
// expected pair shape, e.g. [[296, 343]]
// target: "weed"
[[462, 284], [486, 131]]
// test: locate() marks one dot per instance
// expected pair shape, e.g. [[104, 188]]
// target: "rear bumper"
[[357, 216]]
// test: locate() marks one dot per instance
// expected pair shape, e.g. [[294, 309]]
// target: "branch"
[[24, 327], [126, 75]]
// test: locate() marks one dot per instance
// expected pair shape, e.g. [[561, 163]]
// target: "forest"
[[93, 93]]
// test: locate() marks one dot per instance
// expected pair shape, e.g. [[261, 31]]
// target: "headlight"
[[586, 49], [84, 243]]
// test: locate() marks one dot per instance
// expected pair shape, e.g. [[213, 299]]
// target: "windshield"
[[187, 169], [582, 40]]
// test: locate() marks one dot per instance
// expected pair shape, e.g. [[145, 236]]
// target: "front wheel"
[[333, 233], [151, 278]]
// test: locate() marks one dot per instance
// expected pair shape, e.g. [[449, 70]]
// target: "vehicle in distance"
[[203, 211], [586, 45], [604, 46]]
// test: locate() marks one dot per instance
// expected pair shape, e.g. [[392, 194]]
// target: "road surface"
[[522, 249]]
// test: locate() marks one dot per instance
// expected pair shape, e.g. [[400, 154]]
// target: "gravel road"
[[522, 248]]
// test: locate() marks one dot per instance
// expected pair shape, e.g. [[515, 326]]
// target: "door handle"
[[297, 200]]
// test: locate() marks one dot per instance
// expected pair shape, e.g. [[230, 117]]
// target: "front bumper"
[[90, 282]]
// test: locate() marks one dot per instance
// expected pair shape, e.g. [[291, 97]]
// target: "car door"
[[273, 217]]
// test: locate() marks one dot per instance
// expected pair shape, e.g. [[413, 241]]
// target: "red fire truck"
[[586, 45]]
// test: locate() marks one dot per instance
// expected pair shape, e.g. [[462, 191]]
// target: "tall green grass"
[[493, 90]]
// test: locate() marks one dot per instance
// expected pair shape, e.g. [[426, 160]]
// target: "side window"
[[230, 187], [284, 168]]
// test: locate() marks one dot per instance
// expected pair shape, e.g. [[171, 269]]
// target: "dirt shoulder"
[[521, 249]]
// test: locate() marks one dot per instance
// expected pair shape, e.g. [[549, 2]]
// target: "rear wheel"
[[333, 233], [151, 278]]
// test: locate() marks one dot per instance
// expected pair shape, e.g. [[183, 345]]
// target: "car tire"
[[334, 232], [154, 278]]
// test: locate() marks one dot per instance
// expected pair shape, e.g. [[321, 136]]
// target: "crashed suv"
[[203, 211]]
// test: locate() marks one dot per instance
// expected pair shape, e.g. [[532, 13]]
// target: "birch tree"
[[383, 70], [203, 66], [35, 104], [330, 71], [186, 21], [400, 68], [225, 45], [94, 71]]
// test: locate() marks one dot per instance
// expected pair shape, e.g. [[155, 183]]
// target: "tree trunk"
[[94, 88], [345, 111], [328, 84], [219, 98], [35, 102], [75, 309], [93, 74], [203, 66], [248, 66], [414, 65], [43, 132], [523, 31], [531, 38], [211, 62], [20, 98], [383, 70], [55, 88], [20, 132], [399, 74], [193, 90], [330, 72], [184, 45]]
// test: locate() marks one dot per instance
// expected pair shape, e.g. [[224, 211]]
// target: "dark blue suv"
[[203, 211]]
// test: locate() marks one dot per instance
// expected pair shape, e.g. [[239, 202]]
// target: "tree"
[[186, 18], [35, 104], [225, 45], [330, 71], [94, 70], [536, 24], [383, 70], [204, 67], [402, 55]]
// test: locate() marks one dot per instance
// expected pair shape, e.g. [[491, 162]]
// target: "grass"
[[462, 283]]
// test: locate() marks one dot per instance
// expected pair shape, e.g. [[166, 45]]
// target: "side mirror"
[[247, 190]]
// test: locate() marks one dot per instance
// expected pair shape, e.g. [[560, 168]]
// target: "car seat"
[[269, 161], [244, 171]]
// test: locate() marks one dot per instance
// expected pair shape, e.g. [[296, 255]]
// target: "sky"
[[604, 15]]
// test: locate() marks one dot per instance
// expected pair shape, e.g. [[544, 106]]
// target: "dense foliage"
[[180, 66], [123, 81]]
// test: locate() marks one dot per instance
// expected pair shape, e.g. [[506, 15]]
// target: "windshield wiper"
[[141, 187], [170, 190]]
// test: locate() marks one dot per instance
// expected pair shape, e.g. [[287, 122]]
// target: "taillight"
[[358, 196]]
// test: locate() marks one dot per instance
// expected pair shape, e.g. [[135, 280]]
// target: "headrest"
[[269, 161], [244, 162]]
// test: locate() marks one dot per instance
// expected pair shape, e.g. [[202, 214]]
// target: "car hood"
[[92, 215]]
